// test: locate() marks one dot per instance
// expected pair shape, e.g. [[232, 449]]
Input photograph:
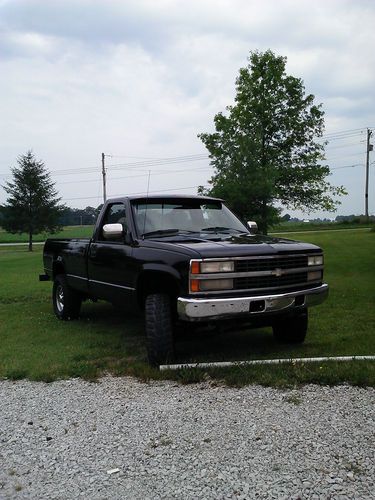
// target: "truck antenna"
[[144, 218]]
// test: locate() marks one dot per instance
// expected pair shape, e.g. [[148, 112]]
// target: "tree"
[[265, 150], [32, 205]]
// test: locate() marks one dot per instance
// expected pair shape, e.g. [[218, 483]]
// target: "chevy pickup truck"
[[186, 259]]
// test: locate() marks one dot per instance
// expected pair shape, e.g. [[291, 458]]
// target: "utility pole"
[[104, 180], [369, 148]]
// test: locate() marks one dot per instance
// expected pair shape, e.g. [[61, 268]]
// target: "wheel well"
[[156, 282]]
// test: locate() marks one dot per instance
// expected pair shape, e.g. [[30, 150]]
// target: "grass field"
[[35, 345]]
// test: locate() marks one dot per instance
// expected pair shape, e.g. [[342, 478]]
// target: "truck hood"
[[236, 246]]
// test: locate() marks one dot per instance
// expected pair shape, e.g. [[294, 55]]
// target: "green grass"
[[67, 232], [35, 345]]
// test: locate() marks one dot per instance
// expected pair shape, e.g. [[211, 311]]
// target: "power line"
[[345, 156], [167, 172], [324, 136], [345, 145], [347, 166], [134, 157], [165, 162], [80, 181], [172, 160], [343, 132], [158, 172], [338, 137], [119, 166], [161, 191], [162, 160], [146, 164]]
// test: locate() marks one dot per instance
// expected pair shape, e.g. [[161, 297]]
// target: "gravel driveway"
[[60, 440]]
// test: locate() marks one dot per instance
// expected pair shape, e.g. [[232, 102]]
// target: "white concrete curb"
[[224, 364]]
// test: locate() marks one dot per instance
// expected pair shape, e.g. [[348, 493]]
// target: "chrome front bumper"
[[207, 309]]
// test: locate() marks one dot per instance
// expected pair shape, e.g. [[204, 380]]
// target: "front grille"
[[269, 281], [252, 265], [260, 274]]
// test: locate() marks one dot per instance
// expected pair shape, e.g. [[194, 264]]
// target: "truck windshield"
[[158, 219]]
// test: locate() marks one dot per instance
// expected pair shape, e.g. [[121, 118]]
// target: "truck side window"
[[115, 214]]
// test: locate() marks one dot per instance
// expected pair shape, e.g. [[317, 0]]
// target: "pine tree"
[[33, 205]]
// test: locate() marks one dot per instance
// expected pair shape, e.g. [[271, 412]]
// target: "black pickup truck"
[[184, 259]]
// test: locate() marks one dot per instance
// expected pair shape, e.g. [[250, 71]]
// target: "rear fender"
[[58, 267]]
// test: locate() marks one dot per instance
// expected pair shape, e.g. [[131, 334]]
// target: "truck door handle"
[[93, 251]]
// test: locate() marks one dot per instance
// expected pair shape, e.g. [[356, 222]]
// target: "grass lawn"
[[35, 345]]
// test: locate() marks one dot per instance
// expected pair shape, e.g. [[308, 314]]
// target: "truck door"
[[110, 269]]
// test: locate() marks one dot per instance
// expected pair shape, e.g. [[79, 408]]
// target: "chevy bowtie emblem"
[[277, 272]]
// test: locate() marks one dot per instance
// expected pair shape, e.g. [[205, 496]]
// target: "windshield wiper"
[[219, 229], [167, 232]]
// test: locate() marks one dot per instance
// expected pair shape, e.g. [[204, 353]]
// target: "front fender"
[[161, 268], [156, 278]]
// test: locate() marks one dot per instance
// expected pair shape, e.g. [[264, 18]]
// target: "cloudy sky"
[[138, 80]]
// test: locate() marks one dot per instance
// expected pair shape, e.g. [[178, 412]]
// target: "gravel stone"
[[170, 441]]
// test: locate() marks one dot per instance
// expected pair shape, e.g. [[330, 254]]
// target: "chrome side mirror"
[[113, 231], [252, 226]]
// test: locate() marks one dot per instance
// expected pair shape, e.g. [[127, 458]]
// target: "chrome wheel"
[[60, 298], [66, 301]]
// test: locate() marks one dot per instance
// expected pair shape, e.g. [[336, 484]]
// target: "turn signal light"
[[195, 268], [314, 275], [194, 285]]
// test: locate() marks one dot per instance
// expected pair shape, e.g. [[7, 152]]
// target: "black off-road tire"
[[159, 329], [66, 301], [291, 330]]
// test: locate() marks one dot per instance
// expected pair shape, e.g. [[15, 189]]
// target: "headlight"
[[224, 266], [315, 260], [205, 285]]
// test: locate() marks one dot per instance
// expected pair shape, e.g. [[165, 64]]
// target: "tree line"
[[68, 216], [79, 216]]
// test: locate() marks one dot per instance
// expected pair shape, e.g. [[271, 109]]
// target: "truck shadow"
[[235, 344], [192, 344]]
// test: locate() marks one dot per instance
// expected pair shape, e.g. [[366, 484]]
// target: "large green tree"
[[265, 150], [33, 205]]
